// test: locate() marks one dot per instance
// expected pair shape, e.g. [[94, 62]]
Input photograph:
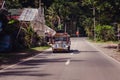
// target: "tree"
[[104, 33], [75, 13], [105, 13], [15, 4], [64, 12], [56, 13]]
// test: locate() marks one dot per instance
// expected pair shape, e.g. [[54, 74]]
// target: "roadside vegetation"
[[41, 48], [82, 15], [98, 21], [104, 33]]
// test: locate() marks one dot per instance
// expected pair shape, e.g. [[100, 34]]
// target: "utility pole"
[[40, 8], [118, 31], [41, 15], [65, 27], [94, 22], [78, 32], [39, 3]]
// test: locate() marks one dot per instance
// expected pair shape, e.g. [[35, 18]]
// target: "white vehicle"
[[61, 42]]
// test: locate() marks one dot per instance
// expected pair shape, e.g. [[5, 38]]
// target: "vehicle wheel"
[[68, 49], [54, 51]]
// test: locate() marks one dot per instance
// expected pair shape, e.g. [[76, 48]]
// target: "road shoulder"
[[109, 49]]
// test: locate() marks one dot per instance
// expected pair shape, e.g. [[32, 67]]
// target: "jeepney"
[[61, 42]]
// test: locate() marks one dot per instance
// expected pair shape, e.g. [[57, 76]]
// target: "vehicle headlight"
[[66, 45], [54, 46]]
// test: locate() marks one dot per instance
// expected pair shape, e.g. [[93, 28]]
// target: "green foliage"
[[22, 3], [51, 16], [90, 2], [23, 36], [57, 13], [12, 27], [104, 33], [88, 25], [72, 11], [15, 4], [28, 36], [63, 12]]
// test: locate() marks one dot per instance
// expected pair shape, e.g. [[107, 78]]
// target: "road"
[[84, 62]]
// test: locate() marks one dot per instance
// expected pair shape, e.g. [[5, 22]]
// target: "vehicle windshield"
[[60, 38]]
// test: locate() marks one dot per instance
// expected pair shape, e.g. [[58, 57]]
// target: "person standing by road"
[[77, 33]]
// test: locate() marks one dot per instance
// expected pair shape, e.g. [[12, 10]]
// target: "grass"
[[34, 49], [115, 42], [39, 48]]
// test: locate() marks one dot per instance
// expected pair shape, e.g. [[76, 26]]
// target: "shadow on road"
[[31, 67], [78, 52], [75, 51], [23, 73], [14, 57], [38, 61], [89, 51]]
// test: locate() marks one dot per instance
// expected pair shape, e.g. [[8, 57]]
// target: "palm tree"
[[53, 17]]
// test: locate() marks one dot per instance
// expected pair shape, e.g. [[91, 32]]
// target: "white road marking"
[[68, 62]]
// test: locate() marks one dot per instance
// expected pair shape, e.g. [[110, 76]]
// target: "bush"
[[104, 33]]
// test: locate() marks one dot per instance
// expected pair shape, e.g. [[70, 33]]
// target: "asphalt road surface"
[[84, 62]]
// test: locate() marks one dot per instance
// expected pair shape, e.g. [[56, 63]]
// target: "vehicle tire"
[[54, 51], [68, 49]]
